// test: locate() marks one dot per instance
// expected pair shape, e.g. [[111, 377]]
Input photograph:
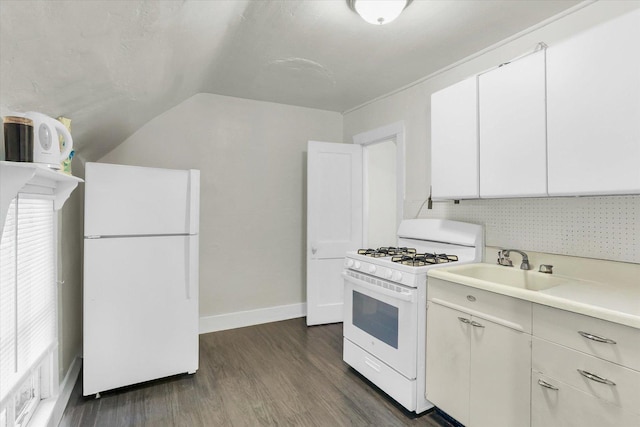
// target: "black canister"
[[18, 139]]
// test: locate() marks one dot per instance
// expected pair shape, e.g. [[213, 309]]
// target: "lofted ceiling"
[[111, 65]]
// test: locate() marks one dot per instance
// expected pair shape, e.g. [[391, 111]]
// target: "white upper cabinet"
[[512, 114], [454, 141], [594, 110]]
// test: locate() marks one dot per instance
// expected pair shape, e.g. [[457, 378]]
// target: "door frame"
[[394, 131]]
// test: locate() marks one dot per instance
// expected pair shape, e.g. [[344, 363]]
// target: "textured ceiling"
[[112, 66]]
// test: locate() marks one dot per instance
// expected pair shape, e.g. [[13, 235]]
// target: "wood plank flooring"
[[280, 373]]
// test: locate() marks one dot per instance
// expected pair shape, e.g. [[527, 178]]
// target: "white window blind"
[[27, 290]]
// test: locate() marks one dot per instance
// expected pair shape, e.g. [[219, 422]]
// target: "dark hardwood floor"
[[281, 373]]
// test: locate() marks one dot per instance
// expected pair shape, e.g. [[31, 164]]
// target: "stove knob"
[[388, 274], [372, 269], [349, 263], [356, 265], [397, 276]]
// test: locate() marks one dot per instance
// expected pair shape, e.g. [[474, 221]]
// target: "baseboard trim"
[[241, 319]]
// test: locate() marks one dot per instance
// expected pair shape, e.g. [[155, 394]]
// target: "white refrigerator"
[[140, 274]]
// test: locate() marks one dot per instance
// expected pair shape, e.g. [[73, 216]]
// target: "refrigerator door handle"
[[194, 200], [187, 269], [191, 265]]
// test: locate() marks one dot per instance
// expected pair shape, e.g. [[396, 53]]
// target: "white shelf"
[[33, 178]]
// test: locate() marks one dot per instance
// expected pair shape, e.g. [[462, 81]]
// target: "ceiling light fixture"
[[378, 12]]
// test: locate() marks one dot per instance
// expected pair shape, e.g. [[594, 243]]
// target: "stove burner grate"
[[419, 260], [375, 253], [386, 251], [391, 250]]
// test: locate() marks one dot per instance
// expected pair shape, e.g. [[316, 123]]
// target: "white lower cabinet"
[[478, 371], [583, 371], [554, 403], [500, 374], [605, 340], [494, 360], [448, 361]]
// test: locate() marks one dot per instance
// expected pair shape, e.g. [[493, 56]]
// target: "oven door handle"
[[410, 297]]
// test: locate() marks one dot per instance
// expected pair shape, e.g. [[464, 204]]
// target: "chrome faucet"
[[503, 258], [546, 268]]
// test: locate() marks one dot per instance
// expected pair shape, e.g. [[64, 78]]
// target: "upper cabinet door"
[[513, 156], [594, 110], [454, 141]]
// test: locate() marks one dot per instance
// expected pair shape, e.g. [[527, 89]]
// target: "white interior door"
[[334, 224]]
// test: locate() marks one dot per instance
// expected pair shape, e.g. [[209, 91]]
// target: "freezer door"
[[140, 310], [132, 200]]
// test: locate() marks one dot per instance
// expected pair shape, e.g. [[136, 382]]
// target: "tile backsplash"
[[605, 227]]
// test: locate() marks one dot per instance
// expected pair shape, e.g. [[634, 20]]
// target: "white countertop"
[[617, 302]]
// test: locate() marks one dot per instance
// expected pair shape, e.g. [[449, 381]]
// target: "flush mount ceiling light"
[[378, 12]]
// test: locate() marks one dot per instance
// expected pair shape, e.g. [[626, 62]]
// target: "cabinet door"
[[454, 141], [554, 403], [594, 110], [500, 375], [512, 110], [447, 370]]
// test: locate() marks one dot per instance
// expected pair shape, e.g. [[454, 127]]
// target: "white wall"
[[381, 194], [571, 237], [70, 227], [252, 158]]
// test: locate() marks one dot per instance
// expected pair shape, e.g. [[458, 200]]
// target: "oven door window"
[[376, 318]]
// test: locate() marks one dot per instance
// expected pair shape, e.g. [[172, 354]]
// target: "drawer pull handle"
[[470, 322], [596, 338], [373, 365], [547, 385], [595, 378]]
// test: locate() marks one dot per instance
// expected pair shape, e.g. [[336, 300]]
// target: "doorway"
[[383, 183]]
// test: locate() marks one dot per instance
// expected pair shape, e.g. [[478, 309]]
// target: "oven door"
[[382, 320]]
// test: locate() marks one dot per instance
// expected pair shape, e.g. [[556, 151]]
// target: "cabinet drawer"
[[564, 327], [562, 363], [570, 407], [390, 381], [507, 311]]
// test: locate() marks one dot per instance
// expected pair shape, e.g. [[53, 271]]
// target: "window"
[[27, 308]]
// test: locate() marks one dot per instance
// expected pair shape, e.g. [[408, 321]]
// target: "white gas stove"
[[385, 303]]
